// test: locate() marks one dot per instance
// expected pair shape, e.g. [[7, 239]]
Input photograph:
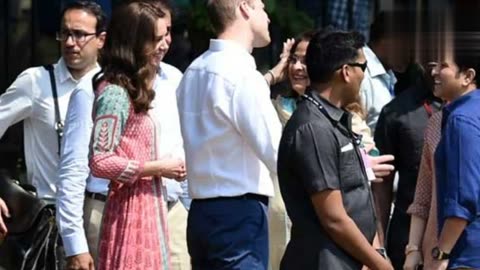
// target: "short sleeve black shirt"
[[318, 151], [399, 132]]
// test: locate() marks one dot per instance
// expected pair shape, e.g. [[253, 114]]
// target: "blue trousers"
[[228, 234]]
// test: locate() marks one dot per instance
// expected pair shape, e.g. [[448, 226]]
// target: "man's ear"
[[345, 74], [245, 9], [470, 77], [101, 39]]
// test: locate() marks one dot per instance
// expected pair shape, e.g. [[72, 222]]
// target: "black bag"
[[32, 241], [32, 238]]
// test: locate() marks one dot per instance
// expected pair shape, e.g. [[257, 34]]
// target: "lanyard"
[[357, 139], [316, 103]]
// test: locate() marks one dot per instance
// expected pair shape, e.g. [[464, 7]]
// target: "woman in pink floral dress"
[[134, 231]]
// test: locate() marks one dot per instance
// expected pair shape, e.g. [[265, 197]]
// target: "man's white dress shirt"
[[165, 86], [377, 87], [166, 113], [30, 98], [230, 129], [74, 173]]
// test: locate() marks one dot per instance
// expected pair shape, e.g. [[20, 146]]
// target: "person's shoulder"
[[466, 108], [404, 101], [31, 81], [112, 92], [306, 118], [170, 71], [35, 73]]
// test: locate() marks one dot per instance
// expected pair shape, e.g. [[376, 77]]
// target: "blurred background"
[[27, 37]]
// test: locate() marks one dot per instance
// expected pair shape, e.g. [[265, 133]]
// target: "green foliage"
[[198, 20], [291, 21], [283, 13]]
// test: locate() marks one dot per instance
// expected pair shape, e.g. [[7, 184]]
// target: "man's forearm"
[[383, 196], [346, 234], [452, 230]]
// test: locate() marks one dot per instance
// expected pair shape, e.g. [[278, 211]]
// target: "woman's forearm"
[[417, 230]]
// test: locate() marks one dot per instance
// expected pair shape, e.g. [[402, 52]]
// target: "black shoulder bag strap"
[[58, 119]]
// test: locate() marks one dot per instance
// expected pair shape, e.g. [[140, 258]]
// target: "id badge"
[[368, 167]]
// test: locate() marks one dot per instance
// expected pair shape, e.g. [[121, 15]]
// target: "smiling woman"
[[291, 67], [125, 142]]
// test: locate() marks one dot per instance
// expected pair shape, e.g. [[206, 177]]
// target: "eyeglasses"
[[77, 35], [362, 66]]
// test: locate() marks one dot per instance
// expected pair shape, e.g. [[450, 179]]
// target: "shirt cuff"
[[418, 210], [174, 189], [454, 209], [75, 244]]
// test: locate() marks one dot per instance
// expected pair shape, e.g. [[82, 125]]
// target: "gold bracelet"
[[411, 248]]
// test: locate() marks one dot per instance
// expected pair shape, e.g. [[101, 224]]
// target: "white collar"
[[374, 66], [63, 74], [223, 44]]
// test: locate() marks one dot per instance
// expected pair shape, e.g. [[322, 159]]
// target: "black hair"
[[466, 37], [92, 8], [305, 36], [330, 50]]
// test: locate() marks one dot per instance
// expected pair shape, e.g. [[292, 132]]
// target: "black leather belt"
[[96, 196], [249, 196]]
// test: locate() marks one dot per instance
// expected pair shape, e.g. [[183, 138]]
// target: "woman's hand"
[[173, 168], [381, 166], [413, 260], [3, 213], [279, 72]]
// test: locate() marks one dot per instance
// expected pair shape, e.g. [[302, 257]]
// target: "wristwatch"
[[439, 255], [382, 252], [411, 248]]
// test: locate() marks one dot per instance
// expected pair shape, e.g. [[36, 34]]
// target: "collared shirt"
[[457, 160], [341, 15], [166, 113], [377, 87], [400, 132], [318, 151], [230, 128], [74, 171], [30, 98], [165, 107]]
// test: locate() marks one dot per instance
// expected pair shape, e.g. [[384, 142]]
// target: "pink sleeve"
[[111, 115]]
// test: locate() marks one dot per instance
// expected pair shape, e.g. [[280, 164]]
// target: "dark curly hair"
[[126, 58]]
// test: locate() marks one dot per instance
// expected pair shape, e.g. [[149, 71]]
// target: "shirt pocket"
[[350, 170]]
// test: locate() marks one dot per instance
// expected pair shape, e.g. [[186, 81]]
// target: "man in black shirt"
[[321, 173], [399, 132]]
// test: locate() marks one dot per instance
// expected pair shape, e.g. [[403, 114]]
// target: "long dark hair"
[[126, 58], [304, 37]]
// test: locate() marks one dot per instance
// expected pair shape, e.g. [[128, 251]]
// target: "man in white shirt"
[[80, 194], [388, 50], [376, 89], [30, 97], [231, 134]]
